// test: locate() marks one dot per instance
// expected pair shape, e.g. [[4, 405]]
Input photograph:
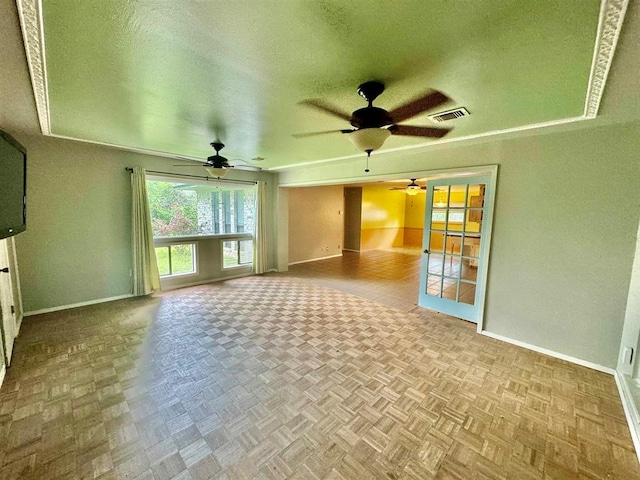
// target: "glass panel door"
[[453, 243]]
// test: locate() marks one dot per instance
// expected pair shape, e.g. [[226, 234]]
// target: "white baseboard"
[[75, 305], [3, 371], [630, 410], [315, 259], [551, 353]]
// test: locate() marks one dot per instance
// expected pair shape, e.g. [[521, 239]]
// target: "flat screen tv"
[[13, 186]]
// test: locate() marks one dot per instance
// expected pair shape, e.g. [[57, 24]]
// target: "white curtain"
[[146, 279], [260, 236]]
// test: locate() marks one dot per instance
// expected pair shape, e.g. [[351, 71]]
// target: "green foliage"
[[173, 211], [181, 259]]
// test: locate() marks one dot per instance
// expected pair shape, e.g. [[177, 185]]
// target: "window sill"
[[191, 238], [178, 275], [235, 267]]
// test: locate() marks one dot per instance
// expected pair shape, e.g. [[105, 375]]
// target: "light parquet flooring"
[[267, 377]]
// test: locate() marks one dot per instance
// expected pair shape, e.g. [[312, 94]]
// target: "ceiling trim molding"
[[144, 151], [30, 13], [612, 14], [522, 128]]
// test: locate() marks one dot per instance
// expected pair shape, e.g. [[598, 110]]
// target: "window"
[[237, 253], [181, 211], [176, 259], [185, 209]]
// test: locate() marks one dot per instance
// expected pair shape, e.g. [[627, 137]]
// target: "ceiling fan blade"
[[320, 105], [418, 105], [203, 165], [313, 134], [413, 131]]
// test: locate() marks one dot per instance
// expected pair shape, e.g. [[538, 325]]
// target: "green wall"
[[564, 235], [77, 244]]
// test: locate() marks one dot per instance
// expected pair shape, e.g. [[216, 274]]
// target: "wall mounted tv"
[[13, 186]]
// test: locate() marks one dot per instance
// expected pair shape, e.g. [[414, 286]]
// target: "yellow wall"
[[382, 218], [414, 219]]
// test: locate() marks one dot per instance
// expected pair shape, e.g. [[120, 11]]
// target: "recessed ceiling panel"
[[171, 76]]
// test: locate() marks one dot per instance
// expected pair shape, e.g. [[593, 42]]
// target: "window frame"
[[237, 239], [241, 186], [168, 242]]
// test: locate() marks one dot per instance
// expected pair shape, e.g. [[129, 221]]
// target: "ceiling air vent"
[[449, 115]]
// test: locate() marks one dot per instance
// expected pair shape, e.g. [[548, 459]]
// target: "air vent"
[[449, 115]]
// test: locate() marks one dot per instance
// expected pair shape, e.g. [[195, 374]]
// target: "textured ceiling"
[[172, 76]]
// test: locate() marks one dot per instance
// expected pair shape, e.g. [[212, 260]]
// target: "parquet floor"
[[273, 378]]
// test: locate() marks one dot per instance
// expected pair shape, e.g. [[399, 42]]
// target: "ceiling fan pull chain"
[[366, 170]]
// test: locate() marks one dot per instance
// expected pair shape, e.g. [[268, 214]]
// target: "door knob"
[[427, 251], [4, 270]]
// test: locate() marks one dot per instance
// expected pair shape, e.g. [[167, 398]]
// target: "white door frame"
[[7, 308]]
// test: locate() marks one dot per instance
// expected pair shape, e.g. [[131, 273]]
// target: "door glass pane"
[[436, 243], [434, 285], [438, 219], [469, 269], [451, 266], [456, 220], [474, 220], [453, 243], [467, 293], [440, 197], [435, 264], [457, 196], [476, 196], [449, 288], [471, 246]]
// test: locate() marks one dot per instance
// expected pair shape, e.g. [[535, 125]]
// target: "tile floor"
[[390, 277], [271, 377]]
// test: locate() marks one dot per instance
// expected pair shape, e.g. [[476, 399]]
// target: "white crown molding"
[[612, 14], [30, 13], [610, 22], [522, 128]]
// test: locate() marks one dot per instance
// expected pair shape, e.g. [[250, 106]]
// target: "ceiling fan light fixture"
[[413, 189], [217, 172], [369, 139]]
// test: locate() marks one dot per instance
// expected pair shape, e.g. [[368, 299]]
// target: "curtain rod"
[[214, 179]]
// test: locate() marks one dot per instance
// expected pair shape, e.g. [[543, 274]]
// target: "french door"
[[455, 246]]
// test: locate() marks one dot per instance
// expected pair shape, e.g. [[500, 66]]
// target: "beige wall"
[[316, 222], [352, 218], [564, 236], [77, 246]]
